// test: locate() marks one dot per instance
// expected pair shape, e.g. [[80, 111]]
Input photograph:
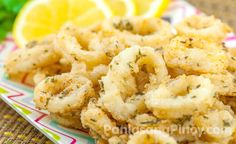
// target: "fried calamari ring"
[[143, 121], [83, 36], [71, 121], [225, 83], [112, 38], [119, 84], [221, 118], [122, 139], [232, 59], [97, 120], [33, 56], [204, 27], [174, 127], [73, 51], [94, 75], [147, 121], [230, 101], [24, 78], [181, 96], [55, 69], [73, 48], [152, 32], [175, 72], [151, 137], [98, 138], [62, 94], [195, 55], [79, 69], [97, 73], [111, 46]]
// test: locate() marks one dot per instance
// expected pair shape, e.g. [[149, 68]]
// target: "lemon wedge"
[[120, 7], [39, 18], [150, 8]]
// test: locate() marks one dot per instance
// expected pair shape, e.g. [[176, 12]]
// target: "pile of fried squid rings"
[[136, 80]]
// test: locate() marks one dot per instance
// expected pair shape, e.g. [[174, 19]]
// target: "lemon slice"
[[120, 7], [150, 8], [39, 18]]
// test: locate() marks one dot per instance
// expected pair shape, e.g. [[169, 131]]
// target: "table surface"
[[15, 130]]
